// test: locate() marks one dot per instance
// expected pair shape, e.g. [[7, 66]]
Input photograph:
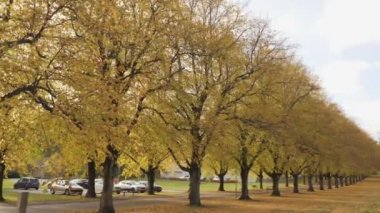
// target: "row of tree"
[[132, 83]]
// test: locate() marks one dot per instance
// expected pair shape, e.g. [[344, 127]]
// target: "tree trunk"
[[221, 173], [151, 175], [310, 183], [91, 178], [106, 200], [275, 186], [261, 177], [2, 169], [195, 181], [329, 182], [304, 179], [244, 172], [221, 182], [321, 186], [350, 180], [341, 181], [346, 181], [286, 179], [295, 183], [336, 181]]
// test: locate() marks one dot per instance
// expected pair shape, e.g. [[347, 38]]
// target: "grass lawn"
[[361, 197], [170, 187], [11, 196], [183, 185]]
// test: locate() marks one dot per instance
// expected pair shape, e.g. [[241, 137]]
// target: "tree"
[[149, 151], [303, 127], [20, 145], [99, 68], [219, 66], [289, 88], [29, 46], [218, 159], [98, 63], [115, 69], [250, 143]]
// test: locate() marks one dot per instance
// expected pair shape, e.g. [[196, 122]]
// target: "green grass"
[[8, 184], [169, 186], [183, 185], [12, 196]]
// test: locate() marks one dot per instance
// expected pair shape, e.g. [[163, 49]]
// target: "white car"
[[216, 178], [187, 177], [129, 186], [60, 186], [184, 177], [98, 186]]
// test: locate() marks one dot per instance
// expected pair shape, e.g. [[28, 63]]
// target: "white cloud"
[[343, 78], [365, 113], [343, 81], [286, 17], [349, 23], [324, 30]]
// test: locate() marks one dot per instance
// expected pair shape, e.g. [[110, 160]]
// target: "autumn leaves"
[[137, 82]]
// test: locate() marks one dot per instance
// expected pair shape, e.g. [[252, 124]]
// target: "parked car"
[[76, 186], [60, 186], [27, 183], [225, 178], [187, 177], [98, 186], [184, 177], [156, 187], [50, 182], [129, 186]]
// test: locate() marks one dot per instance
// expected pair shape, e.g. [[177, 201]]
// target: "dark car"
[[27, 183], [156, 187]]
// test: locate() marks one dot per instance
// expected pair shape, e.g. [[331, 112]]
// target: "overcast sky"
[[339, 40]]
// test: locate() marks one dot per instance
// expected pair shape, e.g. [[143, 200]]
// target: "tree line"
[[136, 83]]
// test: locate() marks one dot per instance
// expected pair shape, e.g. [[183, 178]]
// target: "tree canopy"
[[132, 83]]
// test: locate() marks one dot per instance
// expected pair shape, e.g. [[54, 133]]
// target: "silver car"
[[129, 186], [60, 186]]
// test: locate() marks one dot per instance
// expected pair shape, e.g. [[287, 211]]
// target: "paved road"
[[6, 208]]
